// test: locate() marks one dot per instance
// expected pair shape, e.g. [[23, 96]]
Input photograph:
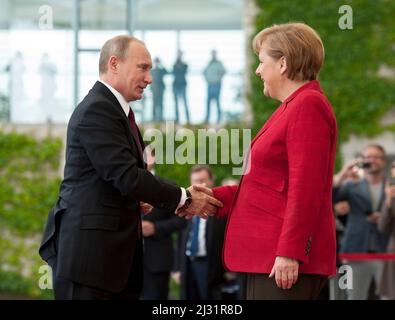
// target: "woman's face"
[[270, 72]]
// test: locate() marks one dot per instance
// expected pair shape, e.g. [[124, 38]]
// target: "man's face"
[[376, 159], [200, 177], [134, 73]]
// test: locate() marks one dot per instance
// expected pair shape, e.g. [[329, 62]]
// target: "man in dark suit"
[[93, 239], [158, 228], [200, 250]]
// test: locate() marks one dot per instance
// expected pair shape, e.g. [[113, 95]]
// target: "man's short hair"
[[117, 46], [378, 147], [202, 167]]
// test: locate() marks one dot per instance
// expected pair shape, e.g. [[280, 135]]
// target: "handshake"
[[202, 203]]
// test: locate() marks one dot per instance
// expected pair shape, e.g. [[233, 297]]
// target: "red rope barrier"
[[366, 256]]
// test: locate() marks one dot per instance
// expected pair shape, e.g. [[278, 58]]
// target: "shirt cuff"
[[183, 198]]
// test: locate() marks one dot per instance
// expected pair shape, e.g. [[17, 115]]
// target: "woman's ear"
[[283, 65]]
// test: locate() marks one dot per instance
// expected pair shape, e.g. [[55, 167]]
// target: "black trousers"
[[156, 285], [307, 287], [65, 289], [197, 279]]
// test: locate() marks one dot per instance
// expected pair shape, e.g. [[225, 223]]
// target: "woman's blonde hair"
[[298, 43]]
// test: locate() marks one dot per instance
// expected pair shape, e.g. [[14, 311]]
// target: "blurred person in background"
[[158, 73], [158, 227], [200, 267], [365, 198], [386, 224], [17, 70], [213, 73], [48, 71], [180, 70]]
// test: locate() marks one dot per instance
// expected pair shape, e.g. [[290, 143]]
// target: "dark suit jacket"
[[360, 235], [158, 249], [215, 230], [104, 180]]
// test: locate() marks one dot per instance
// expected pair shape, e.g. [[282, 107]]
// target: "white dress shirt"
[[202, 249]]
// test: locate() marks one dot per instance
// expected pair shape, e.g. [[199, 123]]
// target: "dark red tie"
[[135, 133]]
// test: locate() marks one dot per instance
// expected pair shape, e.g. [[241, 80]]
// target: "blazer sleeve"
[[341, 193], [310, 136], [225, 194], [105, 140]]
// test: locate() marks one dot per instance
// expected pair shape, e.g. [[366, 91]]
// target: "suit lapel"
[[269, 122], [101, 88], [313, 85], [266, 126]]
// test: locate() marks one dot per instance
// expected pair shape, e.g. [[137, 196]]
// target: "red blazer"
[[283, 204]]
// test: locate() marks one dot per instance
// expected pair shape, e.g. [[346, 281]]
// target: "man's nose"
[[148, 79]]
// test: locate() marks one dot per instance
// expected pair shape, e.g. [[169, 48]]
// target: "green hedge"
[[179, 173], [29, 184]]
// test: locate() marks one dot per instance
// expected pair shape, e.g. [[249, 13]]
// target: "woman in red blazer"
[[281, 228]]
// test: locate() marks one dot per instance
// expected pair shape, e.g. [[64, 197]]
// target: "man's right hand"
[[203, 203], [348, 171]]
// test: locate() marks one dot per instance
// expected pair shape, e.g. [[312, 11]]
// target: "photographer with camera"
[[386, 224], [366, 198]]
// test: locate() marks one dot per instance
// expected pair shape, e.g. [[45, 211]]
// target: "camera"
[[364, 165]]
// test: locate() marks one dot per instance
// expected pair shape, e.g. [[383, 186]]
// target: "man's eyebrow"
[[143, 64]]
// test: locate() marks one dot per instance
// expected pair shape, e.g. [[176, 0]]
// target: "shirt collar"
[[124, 104]]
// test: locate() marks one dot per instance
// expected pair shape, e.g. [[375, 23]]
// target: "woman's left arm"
[[311, 138]]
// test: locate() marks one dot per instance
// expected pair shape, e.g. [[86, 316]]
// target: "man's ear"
[[283, 65], [113, 64]]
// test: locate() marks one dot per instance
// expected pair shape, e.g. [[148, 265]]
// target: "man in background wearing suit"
[[158, 227], [93, 239], [366, 198], [199, 260]]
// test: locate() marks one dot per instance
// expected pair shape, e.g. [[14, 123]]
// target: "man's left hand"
[[286, 272], [148, 228], [145, 208]]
